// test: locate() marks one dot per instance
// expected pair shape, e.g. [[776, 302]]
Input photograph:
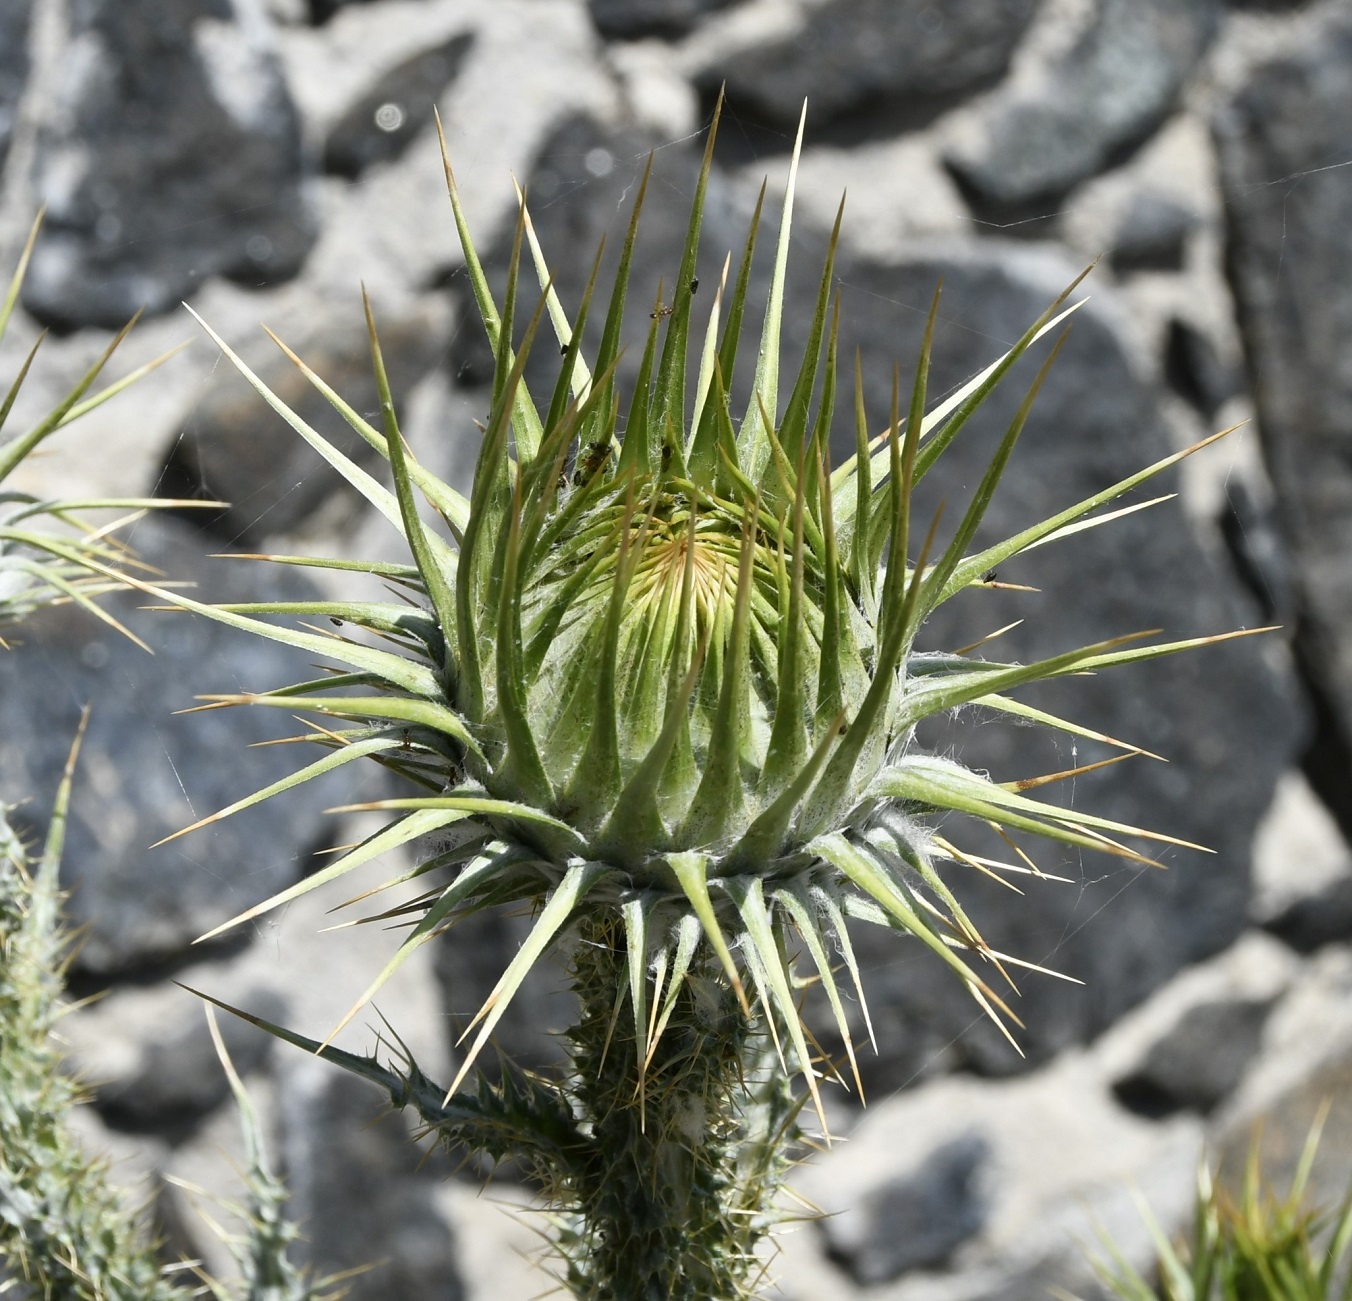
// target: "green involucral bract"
[[658, 676]]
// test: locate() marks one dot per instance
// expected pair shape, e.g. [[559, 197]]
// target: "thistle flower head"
[[663, 660]]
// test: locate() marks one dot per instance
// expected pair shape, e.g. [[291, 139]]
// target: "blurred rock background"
[[261, 158]]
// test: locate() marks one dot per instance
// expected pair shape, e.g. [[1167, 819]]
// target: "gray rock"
[[1195, 370], [14, 19], [1290, 267], [173, 153], [383, 122], [1323, 918], [1059, 1164], [899, 62], [917, 1219], [145, 772], [358, 1191], [1151, 234], [1198, 1062], [1031, 147], [149, 1058], [629, 19], [234, 448]]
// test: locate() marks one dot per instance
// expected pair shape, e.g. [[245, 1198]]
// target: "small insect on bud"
[[591, 459], [662, 312], [694, 286], [989, 576]]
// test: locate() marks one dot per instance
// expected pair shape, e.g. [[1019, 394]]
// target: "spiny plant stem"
[[670, 1186], [64, 1227]]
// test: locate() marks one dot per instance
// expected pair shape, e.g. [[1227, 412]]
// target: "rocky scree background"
[[261, 159]]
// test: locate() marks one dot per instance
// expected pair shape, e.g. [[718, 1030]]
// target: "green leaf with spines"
[[720, 798], [794, 426], [17, 448], [345, 755], [752, 448], [976, 510], [452, 505], [555, 914], [436, 581], [376, 493], [418, 823], [794, 901], [524, 417], [761, 940], [636, 447], [667, 411]]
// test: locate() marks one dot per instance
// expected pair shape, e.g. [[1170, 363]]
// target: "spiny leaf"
[[394, 669], [553, 917], [573, 374], [981, 498], [454, 506], [16, 280], [1059, 524], [460, 890], [336, 759], [877, 885], [752, 448], [525, 418], [747, 893], [668, 402], [692, 875], [720, 798], [793, 428], [419, 823], [16, 449], [793, 899], [434, 579]]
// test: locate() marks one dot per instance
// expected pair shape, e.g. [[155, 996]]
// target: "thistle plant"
[[67, 1229], [1254, 1247], [657, 680]]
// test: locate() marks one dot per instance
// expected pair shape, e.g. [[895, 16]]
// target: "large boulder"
[[1290, 266], [1032, 144], [172, 153], [1020, 1177], [898, 62], [149, 1058], [146, 771]]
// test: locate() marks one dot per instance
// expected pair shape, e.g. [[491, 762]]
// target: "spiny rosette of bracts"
[[662, 661]]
